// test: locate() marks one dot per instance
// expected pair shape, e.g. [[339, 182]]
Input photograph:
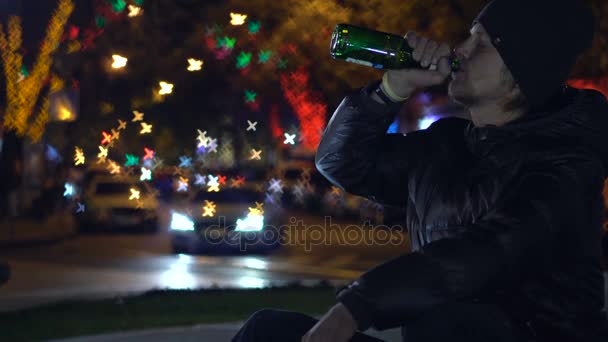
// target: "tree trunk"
[[11, 169]]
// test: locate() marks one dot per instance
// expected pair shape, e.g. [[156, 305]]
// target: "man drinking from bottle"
[[503, 211]]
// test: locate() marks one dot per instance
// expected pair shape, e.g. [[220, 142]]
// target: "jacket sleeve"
[[358, 156], [506, 244]]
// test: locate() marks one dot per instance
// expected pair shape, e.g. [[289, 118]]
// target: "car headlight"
[[181, 222], [251, 223]]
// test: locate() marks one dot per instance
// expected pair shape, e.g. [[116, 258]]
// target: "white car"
[[118, 203], [234, 219]]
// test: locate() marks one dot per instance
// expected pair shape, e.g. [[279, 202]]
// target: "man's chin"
[[459, 95]]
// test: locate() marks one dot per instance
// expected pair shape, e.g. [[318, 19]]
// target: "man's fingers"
[[443, 67], [419, 49], [443, 50], [410, 36], [429, 52]]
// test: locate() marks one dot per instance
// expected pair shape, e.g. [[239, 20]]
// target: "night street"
[[94, 265], [303, 170]]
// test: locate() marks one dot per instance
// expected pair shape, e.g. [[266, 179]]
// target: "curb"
[[148, 334], [23, 243]]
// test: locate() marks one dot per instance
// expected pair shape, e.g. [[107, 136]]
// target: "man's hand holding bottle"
[[402, 83]]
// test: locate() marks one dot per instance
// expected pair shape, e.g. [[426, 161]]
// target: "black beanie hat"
[[539, 41]]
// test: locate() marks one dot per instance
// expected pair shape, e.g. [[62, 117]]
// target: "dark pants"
[[448, 323]]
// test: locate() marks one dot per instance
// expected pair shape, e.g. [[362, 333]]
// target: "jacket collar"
[[481, 141]]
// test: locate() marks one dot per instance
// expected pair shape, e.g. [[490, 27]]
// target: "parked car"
[[110, 203], [234, 219]]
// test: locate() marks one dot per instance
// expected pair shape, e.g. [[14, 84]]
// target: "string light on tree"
[[260, 207], [145, 128], [134, 194], [212, 145], [114, 167], [149, 154], [237, 182], [243, 59], [146, 174], [182, 184], [209, 209], [255, 154], [250, 95], [195, 64], [118, 5], [115, 134], [212, 183], [107, 138], [119, 61], [122, 125], [251, 125], [103, 153], [165, 88], [289, 139], [275, 185], [137, 116], [264, 56], [69, 190], [131, 160], [185, 161], [202, 138], [237, 19], [200, 179], [79, 158], [226, 42], [221, 179], [22, 95], [254, 26], [135, 11]]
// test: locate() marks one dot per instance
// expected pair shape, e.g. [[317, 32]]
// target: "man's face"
[[479, 80]]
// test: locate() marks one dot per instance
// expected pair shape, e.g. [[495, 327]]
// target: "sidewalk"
[[26, 231], [220, 332]]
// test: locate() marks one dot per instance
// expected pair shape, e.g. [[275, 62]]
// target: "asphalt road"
[[105, 265]]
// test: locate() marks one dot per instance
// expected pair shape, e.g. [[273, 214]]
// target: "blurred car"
[[230, 219], [342, 204], [110, 203]]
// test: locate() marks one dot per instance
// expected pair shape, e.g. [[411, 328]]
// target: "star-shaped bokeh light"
[[237, 19], [145, 128], [243, 59], [194, 64], [79, 157], [119, 61], [134, 11], [251, 125], [250, 95], [209, 209], [254, 26], [255, 154], [264, 56], [165, 88], [289, 139], [131, 160], [146, 174], [134, 194]]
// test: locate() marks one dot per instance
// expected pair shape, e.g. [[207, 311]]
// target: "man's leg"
[[465, 321], [270, 325]]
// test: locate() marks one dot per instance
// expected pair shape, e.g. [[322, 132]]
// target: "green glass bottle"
[[376, 49]]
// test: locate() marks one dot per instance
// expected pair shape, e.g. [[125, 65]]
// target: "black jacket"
[[508, 215]]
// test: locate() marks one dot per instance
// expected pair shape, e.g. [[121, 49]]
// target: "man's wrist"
[[391, 93], [345, 316]]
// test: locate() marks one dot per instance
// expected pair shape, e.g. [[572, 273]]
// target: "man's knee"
[[458, 321], [265, 317]]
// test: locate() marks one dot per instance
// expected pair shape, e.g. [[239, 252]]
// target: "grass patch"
[[157, 309]]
